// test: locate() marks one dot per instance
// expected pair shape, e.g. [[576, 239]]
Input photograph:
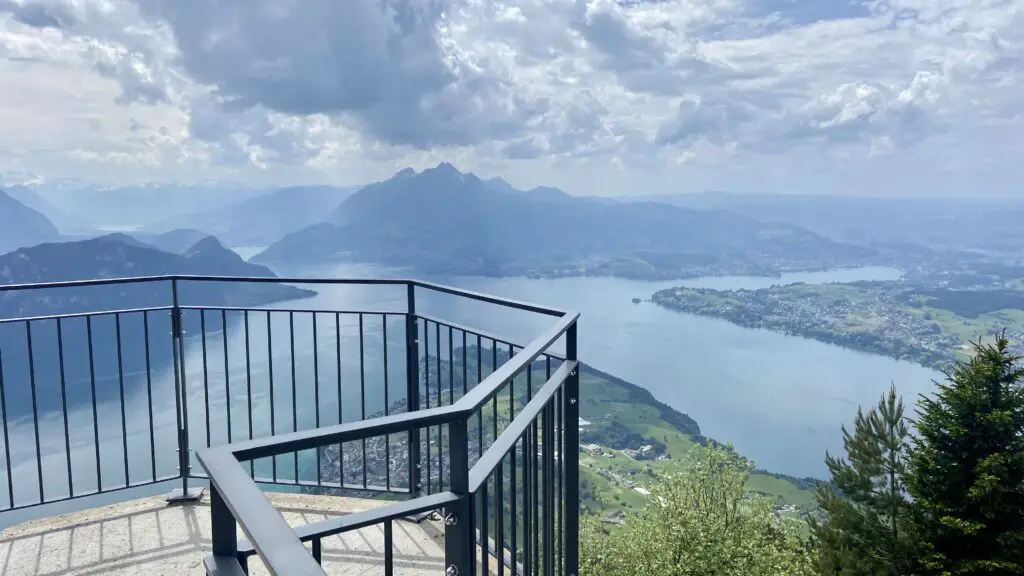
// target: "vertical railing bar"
[[560, 504], [451, 366], [494, 400], [440, 401], [480, 413], [484, 560], [270, 381], [7, 437], [387, 402], [95, 414], [248, 385], [514, 549], [527, 503], [65, 409], [536, 500], [548, 512], [389, 553], [512, 387], [316, 395], [120, 385], [529, 384], [295, 397], [341, 418], [317, 551], [571, 456], [35, 409], [175, 316], [499, 520], [149, 396], [206, 374], [362, 390], [465, 365], [426, 387], [227, 370], [412, 386], [459, 533]]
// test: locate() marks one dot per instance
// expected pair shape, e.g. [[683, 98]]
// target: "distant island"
[[443, 221], [931, 327]]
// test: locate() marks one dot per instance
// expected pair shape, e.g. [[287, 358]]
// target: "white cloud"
[[598, 96]]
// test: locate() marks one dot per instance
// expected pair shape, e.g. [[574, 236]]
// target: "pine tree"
[[966, 469], [866, 529]]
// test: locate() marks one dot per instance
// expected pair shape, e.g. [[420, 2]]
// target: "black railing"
[[375, 401]]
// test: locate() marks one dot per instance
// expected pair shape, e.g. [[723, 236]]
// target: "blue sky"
[[880, 97]]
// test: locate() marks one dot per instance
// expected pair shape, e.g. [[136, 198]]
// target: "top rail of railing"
[[441, 288]]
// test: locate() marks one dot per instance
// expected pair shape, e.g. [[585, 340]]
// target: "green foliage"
[[866, 527], [700, 520], [966, 468]]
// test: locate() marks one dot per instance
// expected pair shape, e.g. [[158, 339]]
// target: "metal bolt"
[[451, 570], [451, 519], [573, 372], [572, 400]]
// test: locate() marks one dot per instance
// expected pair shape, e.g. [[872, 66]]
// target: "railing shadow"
[[149, 537]]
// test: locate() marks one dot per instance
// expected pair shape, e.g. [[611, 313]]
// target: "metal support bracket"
[[178, 496]]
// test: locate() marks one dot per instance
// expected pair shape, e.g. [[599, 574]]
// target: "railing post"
[[459, 528], [183, 494], [571, 456], [412, 390], [223, 528]]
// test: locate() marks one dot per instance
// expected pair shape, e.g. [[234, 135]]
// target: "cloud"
[[586, 86], [37, 15]]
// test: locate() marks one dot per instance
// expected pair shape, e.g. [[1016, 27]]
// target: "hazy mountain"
[[441, 220], [22, 226], [952, 224], [65, 221], [174, 241], [264, 219], [138, 206], [120, 255]]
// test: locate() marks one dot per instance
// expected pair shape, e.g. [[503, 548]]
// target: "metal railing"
[[455, 419]]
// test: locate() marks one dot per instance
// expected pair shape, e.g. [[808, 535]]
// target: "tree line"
[[939, 492]]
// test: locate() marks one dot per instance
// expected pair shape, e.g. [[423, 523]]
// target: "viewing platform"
[[297, 440]]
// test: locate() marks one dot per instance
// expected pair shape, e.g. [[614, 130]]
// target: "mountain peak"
[[445, 169], [206, 245]]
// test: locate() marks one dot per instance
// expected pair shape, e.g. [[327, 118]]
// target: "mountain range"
[[933, 223], [120, 255], [263, 219], [138, 206], [444, 221]]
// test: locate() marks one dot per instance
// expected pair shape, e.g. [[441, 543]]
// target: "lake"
[[780, 399]]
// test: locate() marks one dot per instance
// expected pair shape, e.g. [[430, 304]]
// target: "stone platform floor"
[[153, 538]]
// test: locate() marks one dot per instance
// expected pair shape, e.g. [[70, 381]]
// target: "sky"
[[913, 98]]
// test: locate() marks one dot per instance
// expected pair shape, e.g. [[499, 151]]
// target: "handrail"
[[483, 391], [480, 297], [500, 447], [274, 540], [84, 314], [364, 518]]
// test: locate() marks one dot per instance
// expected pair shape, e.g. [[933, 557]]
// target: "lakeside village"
[[882, 318], [386, 464]]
